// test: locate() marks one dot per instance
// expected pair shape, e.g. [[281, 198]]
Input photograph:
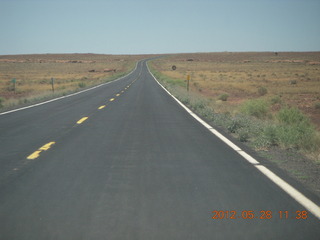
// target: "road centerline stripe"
[[111, 100], [36, 154], [101, 107], [82, 120]]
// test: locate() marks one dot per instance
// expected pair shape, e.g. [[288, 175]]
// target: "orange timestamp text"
[[263, 214]]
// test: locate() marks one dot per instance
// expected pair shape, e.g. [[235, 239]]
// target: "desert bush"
[[198, 105], [317, 105], [292, 116], [223, 97], [269, 134], [262, 91], [276, 100], [82, 85], [257, 108], [293, 82], [295, 128], [243, 135]]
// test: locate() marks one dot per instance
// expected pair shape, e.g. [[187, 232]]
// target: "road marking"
[[101, 107], [294, 193], [111, 100], [118, 94], [82, 120], [122, 91], [46, 146], [36, 154]]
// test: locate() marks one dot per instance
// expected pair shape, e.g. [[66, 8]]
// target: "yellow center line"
[[118, 94], [101, 107], [122, 91], [46, 146], [36, 154], [112, 99], [82, 120]]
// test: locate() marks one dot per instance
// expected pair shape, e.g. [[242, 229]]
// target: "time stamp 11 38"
[[263, 214]]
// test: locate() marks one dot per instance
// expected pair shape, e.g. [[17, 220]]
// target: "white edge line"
[[70, 95], [294, 193]]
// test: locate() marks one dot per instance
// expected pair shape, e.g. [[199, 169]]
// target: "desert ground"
[[70, 72], [291, 78]]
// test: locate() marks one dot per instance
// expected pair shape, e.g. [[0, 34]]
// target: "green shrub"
[[276, 100], [223, 97], [82, 85], [262, 91], [292, 116], [257, 108], [295, 128], [270, 135], [198, 105], [243, 134]]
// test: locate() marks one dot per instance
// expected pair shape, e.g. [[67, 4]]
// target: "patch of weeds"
[[82, 85], [295, 129], [262, 91], [276, 100], [243, 135], [198, 105], [223, 97], [257, 108]]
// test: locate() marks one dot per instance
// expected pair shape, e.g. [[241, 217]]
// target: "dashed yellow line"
[[118, 94], [36, 154], [82, 120], [46, 146], [101, 107], [111, 100]]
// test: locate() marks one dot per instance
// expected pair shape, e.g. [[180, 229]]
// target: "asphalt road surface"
[[125, 161]]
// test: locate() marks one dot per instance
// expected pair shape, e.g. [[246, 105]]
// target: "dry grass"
[[71, 72], [292, 78]]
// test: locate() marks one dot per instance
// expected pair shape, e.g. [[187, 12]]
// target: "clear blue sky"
[[162, 26]]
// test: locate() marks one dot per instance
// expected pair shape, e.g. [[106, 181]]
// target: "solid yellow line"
[[82, 120], [112, 99], [101, 107]]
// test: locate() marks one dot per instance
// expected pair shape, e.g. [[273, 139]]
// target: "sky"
[[158, 26]]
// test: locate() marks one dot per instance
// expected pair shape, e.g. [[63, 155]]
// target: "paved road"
[[140, 167]]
